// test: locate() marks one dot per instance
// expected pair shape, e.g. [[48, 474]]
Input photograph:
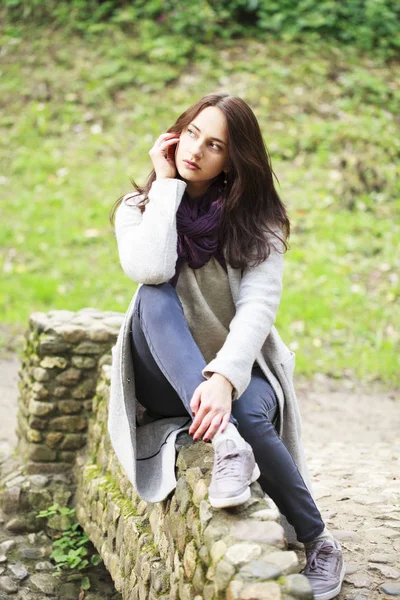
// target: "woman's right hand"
[[162, 155]]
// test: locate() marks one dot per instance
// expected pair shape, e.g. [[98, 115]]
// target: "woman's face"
[[205, 143]]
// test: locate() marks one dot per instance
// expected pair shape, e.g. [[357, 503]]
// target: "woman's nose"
[[197, 149]]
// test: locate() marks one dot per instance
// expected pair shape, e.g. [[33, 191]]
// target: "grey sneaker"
[[325, 569], [233, 471]]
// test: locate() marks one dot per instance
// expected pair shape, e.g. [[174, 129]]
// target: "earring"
[[225, 180]]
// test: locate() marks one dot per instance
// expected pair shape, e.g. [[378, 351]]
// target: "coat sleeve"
[[147, 242], [256, 308]]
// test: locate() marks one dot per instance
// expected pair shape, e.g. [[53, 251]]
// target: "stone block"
[[32, 435], [85, 389], [65, 456], [10, 498], [204, 556], [39, 468], [189, 559], [159, 578], [53, 438], [218, 550], [98, 334], [54, 345], [217, 528], [36, 423], [224, 572], [69, 407], [40, 499], [242, 552], [68, 423], [233, 590], [209, 591], [258, 570], [183, 495], [200, 492], [51, 362], [23, 524], [39, 391], [83, 362], [298, 586], [60, 391], [89, 348], [72, 333], [69, 377], [286, 561], [40, 409], [206, 512], [193, 475], [261, 591], [266, 532], [39, 452], [40, 374]]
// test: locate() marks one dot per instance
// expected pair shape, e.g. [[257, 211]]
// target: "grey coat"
[[147, 249]]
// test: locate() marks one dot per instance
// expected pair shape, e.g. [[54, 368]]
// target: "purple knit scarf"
[[197, 223]]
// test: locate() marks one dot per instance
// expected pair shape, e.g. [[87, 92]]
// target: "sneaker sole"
[[235, 500], [336, 591]]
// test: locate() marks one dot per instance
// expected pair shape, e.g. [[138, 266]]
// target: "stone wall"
[[179, 549], [58, 377]]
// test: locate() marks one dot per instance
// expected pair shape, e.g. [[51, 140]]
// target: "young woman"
[[205, 239]]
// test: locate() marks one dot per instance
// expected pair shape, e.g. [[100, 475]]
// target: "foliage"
[[81, 115], [368, 24], [69, 549]]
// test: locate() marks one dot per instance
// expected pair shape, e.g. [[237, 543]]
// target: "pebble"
[[32, 553], [7, 545], [44, 566], [19, 570], [391, 588], [47, 584], [39, 481], [8, 585], [380, 557], [389, 572], [345, 535], [351, 568], [69, 591]]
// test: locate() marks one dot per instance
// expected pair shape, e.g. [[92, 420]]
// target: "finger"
[[166, 136], [213, 428], [167, 143], [204, 425], [224, 423], [197, 420], [195, 401]]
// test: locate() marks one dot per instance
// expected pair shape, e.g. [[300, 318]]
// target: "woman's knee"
[[156, 299], [252, 407]]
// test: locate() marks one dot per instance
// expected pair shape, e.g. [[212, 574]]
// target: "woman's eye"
[[190, 131]]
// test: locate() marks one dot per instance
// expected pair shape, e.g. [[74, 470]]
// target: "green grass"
[[77, 119]]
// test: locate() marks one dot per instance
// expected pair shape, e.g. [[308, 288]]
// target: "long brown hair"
[[253, 212]]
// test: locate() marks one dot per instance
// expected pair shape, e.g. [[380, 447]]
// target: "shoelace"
[[224, 467], [318, 559]]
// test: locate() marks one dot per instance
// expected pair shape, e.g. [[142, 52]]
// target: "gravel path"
[[352, 441]]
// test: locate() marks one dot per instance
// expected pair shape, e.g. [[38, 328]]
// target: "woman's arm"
[[147, 242], [259, 297]]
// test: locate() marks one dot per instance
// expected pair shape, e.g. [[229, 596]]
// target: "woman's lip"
[[191, 165]]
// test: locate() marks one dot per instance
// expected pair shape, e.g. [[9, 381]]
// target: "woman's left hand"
[[211, 404]]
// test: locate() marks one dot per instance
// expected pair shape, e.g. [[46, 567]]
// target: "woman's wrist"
[[222, 378]]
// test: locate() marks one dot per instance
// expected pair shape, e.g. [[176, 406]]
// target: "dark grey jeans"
[[168, 365]]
